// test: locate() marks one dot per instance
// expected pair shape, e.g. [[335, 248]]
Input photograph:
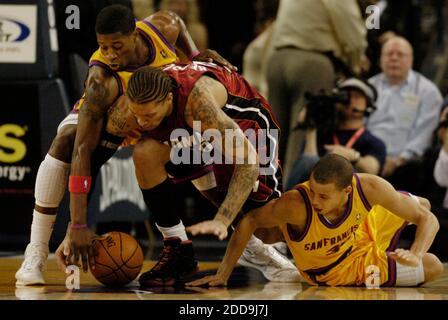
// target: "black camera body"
[[321, 110]]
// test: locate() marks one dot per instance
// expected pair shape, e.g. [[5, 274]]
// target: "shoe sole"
[[168, 283], [20, 283], [248, 264]]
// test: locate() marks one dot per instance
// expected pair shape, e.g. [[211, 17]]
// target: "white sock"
[[42, 227], [174, 231]]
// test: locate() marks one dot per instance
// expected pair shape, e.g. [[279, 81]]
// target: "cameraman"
[[349, 137]]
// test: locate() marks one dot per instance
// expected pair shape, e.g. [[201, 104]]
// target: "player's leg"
[[50, 187], [429, 269], [177, 258]]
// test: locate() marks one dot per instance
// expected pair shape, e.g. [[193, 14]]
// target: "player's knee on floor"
[[432, 266]]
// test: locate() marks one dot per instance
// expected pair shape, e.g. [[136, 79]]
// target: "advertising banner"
[[117, 196], [18, 33], [19, 140], [20, 154]]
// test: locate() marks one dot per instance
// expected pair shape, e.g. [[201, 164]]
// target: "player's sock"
[[177, 231], [160, 201], [42, 227], [51, 182]]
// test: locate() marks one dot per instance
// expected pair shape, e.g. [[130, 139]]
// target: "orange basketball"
[[118, 259]]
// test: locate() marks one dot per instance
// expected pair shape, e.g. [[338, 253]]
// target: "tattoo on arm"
[[97, 96], [238, 147], [227, 213], [240, 187], [117, 120], [206, 110]]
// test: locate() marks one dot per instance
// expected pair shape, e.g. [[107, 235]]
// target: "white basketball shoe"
[[273, 265], [31, 271]]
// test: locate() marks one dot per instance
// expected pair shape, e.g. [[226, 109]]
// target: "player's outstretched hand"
[[215, 227], [209, 55], [79, 242], [405, 257], [212, 281]]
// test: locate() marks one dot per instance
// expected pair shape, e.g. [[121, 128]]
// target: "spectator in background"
[[350, 139], [143, 8], [404, 17], [408, 112], [188, 10], [312, 40], [255, 59]]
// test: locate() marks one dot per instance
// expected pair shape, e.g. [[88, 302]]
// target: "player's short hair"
[[115, 18], [333, 168], [149, 84]]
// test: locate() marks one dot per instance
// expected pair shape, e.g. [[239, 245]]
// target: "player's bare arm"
[[174, 30], [290, 208], [379, 191], [101, 91], [120, 121], [204, 105]]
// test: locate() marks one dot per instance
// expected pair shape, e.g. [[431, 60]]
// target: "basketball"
[[118, 259]]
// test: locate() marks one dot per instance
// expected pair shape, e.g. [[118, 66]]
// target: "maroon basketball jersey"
[[244, 105]]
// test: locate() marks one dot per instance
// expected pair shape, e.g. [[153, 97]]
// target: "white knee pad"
[[206, 182], [51, 182], [409, 276], [72, 118]]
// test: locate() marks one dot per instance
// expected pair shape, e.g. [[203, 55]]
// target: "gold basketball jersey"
[[341, 253], [161, 53]]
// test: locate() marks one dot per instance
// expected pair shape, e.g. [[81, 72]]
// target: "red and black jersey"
[[244, 105]]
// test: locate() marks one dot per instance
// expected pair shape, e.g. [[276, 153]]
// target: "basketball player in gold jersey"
[[342, 230], [124, 45]]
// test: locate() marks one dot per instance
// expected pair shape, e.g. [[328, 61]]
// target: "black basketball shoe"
[[176, 262]]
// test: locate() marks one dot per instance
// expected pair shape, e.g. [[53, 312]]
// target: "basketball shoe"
[[176, 262], [33, 265], [273, 265]]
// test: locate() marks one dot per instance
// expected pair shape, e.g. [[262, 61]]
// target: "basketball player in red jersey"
[[124, 45], [168, 106]]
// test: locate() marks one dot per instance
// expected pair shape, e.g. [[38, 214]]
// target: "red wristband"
[[79, 184], [193, 55], [78, 226]]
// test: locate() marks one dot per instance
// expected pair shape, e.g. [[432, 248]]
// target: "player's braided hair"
[[149, 84]]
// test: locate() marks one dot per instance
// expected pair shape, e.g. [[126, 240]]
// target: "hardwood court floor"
[[245, 285]]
